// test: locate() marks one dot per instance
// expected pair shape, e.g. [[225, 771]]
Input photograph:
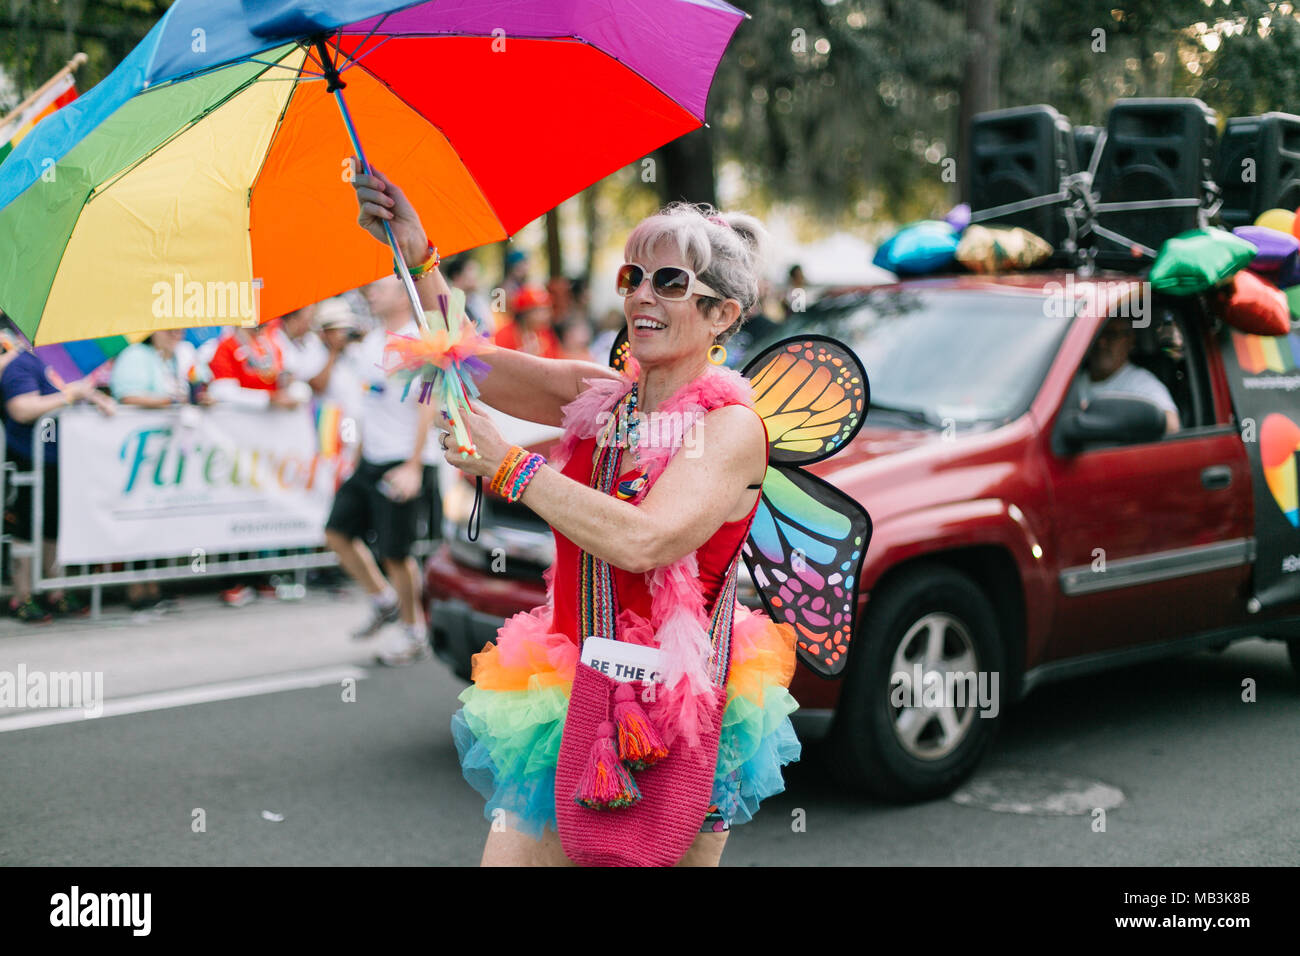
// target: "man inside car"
[[1108, 372]]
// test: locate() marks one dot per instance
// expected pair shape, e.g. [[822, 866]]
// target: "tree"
[[37, 37], [979, 81], [847, 108], [685, 169]]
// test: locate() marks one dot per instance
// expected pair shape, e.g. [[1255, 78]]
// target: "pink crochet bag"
[[622, 798], [649, 812]]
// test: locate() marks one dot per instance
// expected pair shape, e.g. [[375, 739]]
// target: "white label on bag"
[[620, 660]]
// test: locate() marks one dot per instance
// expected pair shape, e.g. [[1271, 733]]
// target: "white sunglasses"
[[668, 282]]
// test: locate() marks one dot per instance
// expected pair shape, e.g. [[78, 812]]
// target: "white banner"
[[189, 481]]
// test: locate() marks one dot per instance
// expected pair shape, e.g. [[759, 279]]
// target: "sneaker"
[[411, 650], [239, 596], [380, 615], [29, 612]]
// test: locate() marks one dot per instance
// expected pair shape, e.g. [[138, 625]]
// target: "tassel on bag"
[[639, 744], [605, 783]]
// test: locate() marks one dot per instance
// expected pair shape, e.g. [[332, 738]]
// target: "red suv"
[[1019, 538]]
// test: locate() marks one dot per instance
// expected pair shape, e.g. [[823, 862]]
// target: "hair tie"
[[718, 220]]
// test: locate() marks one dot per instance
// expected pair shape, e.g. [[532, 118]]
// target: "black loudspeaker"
[[1258, 166], [1157, 150], [1085, 141], [1020, 154]]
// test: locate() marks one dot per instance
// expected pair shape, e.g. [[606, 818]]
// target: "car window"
[[939, 356], [1165, 363]]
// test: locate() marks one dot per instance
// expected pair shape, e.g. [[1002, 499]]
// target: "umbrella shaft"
[[416, 307]]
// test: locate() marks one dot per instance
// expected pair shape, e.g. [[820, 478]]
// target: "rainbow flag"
[[16, 126], [1261, 353], [329, 428]]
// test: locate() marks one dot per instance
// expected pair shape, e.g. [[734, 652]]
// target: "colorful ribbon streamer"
[[445, 360]]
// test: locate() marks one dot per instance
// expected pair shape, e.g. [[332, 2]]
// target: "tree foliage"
[[847, 107], [865, 128], [37, 37]]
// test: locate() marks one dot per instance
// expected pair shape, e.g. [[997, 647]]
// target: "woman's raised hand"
[[380, 201], [490, 446]]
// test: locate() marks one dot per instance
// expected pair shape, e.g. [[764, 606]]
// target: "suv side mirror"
[[1115, 421]]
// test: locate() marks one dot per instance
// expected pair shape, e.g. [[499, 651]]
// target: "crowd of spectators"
[[296, 359]]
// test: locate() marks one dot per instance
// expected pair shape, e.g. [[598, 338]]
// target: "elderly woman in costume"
[[695, 454]]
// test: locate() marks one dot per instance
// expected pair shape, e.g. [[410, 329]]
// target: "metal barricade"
[[95, 577]]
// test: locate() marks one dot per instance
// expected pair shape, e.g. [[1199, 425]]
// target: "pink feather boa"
[[679, 620]]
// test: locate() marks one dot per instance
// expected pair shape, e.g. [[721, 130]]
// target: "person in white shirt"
[[1109, 372], [303, 353], [393, 479], [333, 370]]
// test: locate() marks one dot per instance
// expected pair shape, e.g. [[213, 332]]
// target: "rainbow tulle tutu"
[[508, 731]]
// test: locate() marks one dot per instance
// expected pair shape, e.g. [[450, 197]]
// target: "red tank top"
[[714, 557]]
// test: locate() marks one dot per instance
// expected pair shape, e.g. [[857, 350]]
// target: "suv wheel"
[[900, 741]]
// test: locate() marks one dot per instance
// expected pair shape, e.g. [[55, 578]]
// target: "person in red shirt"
[[532, 329], [248, 370]]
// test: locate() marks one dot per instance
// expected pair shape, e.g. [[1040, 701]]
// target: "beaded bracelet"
[[508, 479], [499, 480], [525, 474]]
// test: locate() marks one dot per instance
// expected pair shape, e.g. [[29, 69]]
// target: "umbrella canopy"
[[205, 178]]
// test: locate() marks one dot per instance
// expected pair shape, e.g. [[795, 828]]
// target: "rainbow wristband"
[[523, 475], [431, 261]]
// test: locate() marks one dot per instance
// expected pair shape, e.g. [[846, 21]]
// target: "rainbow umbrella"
[[203, 182], [74, 360]]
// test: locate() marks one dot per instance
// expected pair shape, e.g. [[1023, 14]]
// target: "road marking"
[[1037, 792], [185, 696]]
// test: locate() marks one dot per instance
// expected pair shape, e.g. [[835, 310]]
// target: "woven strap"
[[598, 603]]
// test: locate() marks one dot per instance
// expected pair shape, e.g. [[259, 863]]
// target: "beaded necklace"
[[624, 431]]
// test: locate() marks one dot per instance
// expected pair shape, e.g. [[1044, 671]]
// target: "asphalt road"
[[1192, 775]]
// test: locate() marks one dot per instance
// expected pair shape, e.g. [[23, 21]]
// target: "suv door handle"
[[1216, 478]]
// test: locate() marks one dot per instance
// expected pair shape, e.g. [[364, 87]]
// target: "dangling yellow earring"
[[720, 348]]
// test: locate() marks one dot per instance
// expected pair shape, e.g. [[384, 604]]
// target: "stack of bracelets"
[[424, 268], [516, 471]]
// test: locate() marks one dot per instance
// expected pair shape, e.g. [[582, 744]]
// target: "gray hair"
[[724, 249]]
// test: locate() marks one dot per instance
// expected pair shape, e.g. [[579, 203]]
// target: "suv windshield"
[[935, 356]]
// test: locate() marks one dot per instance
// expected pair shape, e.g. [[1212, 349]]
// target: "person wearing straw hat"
[[338, 379]]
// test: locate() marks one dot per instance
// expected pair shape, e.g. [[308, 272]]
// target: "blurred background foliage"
[[848, 110]]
